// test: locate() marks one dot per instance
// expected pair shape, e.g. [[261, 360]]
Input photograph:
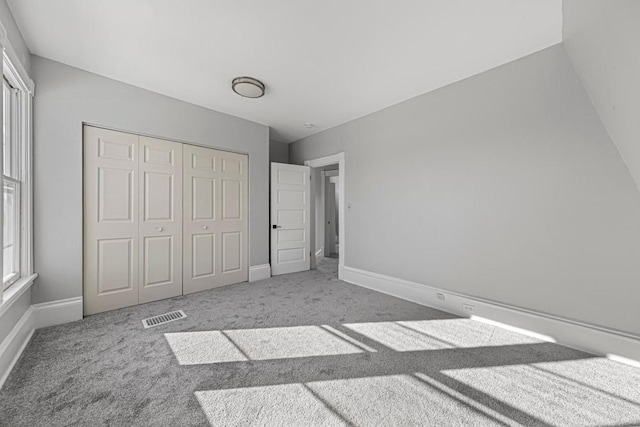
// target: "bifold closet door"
[[160, 221], [132, 219], [215, 218], [110, 220]]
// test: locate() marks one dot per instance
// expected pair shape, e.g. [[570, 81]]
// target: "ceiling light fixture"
[[248, 87]]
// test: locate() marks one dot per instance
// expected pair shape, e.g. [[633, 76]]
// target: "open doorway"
[[330, 179], [328, 213]]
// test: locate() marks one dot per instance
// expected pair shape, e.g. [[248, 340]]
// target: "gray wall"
[[65, 98], [602, 38], [504, 186], [278, 151]]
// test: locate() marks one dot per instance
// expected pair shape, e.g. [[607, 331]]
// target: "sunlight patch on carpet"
[[278, 405], [438, 334], [568, 393], [235, 345], [380, 401], [195, 348]]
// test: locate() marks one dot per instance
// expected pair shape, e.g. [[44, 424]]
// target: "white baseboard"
[[259, 272], [57, 312], [37, 316], [617, 345], [14, 344]]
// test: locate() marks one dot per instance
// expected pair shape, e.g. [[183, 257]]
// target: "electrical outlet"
[[440, 296], [468, 308]]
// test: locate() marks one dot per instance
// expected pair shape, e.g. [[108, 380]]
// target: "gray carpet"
[[306, 349]]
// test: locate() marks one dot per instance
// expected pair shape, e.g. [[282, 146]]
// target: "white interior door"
[[290, 218], [110, 220], [160, 220], [215, 218]]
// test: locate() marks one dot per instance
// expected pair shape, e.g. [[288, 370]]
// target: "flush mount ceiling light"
[[248, 87]]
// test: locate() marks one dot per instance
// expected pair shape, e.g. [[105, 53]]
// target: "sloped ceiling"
[[323, 62]]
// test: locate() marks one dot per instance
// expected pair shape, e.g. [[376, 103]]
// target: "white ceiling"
[[325, 62]]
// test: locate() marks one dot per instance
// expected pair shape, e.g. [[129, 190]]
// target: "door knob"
[[159, 228], [276, 226], [204, 227]]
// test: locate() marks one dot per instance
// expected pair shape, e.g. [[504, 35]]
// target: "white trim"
[[15, 291], [57, 312], [325, 161], [13, 69], [600, 340], [259, 272], [16, 69], [26, 198], [322, 217], [338, 158], [35, 317], [624, 360], [14, 344]]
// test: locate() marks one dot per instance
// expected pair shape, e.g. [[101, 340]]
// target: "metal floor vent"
[[161, 319]]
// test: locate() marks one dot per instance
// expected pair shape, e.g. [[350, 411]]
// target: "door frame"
[[338, 158], [330, 231]]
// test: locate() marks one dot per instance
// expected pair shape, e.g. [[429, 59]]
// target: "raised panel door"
[[111, 241], [160, 207]]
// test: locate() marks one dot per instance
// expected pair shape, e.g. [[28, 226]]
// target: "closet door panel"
[[233, 224], [160, 207], [203, 255], [215, 218], [110, 220], [201, 239]]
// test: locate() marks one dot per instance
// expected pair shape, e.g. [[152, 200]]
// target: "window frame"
[[14, 175], [15, 275], [13, 72]]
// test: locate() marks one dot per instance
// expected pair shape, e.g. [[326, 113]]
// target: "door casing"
[[343, 207]]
